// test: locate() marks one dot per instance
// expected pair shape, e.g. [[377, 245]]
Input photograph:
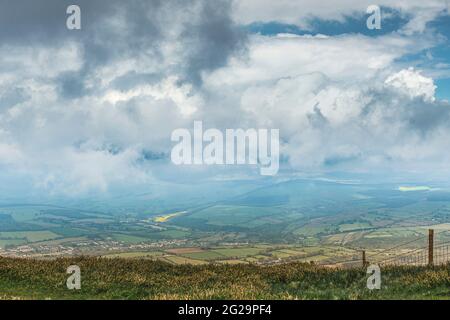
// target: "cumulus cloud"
[[348, 57], [364, 126], [341, 103], [413, 83], [85, 110], [302, 11]]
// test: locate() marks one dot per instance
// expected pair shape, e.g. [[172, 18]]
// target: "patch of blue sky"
[[391, 21], [424, 60], [435, 63], [443, 89], [441, 24]]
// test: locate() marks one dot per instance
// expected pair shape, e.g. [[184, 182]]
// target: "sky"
[[88, 110]]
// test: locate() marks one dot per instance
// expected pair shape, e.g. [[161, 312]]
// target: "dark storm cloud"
[[70, 85], [215, 38], [428, 118], [12, 97], [132, 79], [113, 30], [316, 118], [418, 115], [22, 21]]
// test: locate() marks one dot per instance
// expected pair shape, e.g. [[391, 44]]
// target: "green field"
[[145, 279], [31, 236], [205, 255], [297, 220], [12, 242], [182, 260], [133, 255], [238, 252]]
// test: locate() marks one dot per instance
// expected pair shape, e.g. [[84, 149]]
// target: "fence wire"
[[414, 257]]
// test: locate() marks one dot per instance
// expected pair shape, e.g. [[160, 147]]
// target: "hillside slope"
[[143, 279]]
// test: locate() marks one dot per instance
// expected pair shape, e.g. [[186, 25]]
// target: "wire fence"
[[410, 253]]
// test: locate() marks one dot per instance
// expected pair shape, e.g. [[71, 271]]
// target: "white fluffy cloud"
[[298, 12], [73, 124], [340, 103], [349, 57], [361, 126], [413, 84]]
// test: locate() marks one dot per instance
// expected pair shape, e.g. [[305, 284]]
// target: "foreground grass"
[[144, 279]]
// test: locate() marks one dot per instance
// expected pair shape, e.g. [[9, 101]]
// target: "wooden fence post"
[[430, 247]]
